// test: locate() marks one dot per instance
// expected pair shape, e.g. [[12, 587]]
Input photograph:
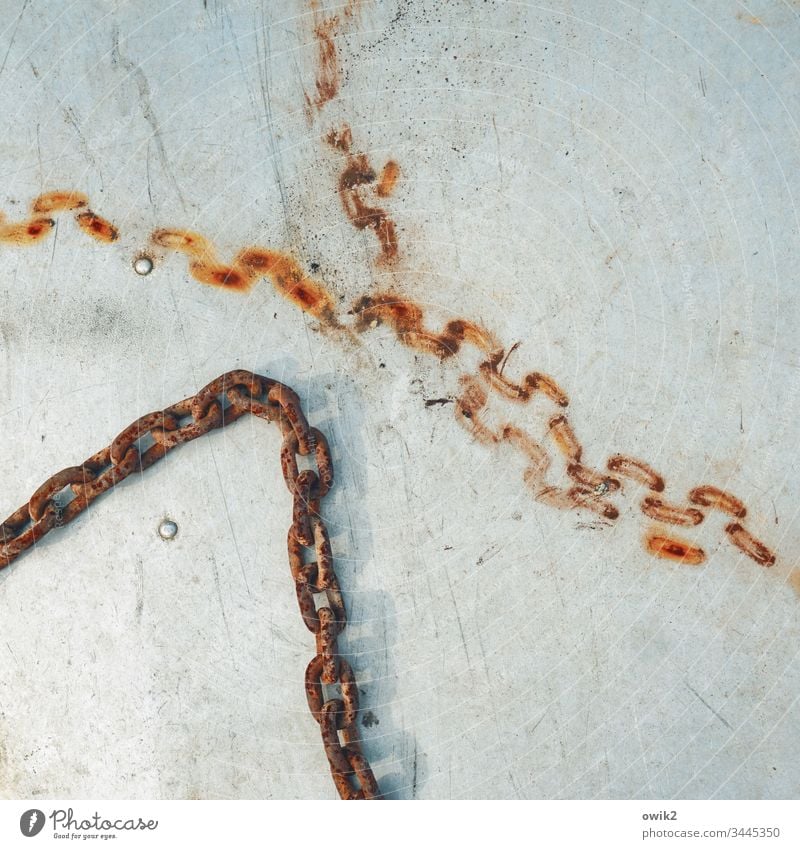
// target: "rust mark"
[[674, 549], [523, 442], [358, 174], [40, 224], [659, 510], [564, 437], [248, 266], [746, 542], [388, 179], [637, 470], [97, 227], [406, 319], [59, 201], [794, 580], [328, 71], [25, 232], [712, 496], [592, 480], [469, 406], [571, 499], [533, 382]]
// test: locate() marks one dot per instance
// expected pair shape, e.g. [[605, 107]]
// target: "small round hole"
[[168, 529], [143, 265]]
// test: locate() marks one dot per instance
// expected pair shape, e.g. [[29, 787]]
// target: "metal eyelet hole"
[[168, 530], [143, 265]]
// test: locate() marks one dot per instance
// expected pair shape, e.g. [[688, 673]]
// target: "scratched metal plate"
[[613, 188]]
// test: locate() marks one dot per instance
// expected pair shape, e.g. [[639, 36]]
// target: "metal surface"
[[530, 268]]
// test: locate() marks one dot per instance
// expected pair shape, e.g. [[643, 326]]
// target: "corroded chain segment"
[[66, 494]]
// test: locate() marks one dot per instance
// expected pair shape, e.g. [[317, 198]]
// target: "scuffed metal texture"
[[606, 192]]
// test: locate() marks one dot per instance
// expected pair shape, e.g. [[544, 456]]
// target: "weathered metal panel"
[[605, 193]]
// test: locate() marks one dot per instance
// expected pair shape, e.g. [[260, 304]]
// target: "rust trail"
[[531, 383], [570, 499], [357, 178], [97, 227], [564, 437], [469, 406], [674, 549], [25, 232], [711, 496], [747, 543], [388, 179], [659, 510], [41, 224], [406, 319], [248, 266], [59, 201], [637, 470], [592, 480]]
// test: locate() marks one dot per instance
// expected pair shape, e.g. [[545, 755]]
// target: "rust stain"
[[328, 71], [97, 227], [638, 470], [564, 437], [659, 510], [747, 543], [25, 232], [794, 580], [590, 479], [388, 179], [40, 224], [407, 320], [531, 383], [712, 496], [358, 174], [59, 201], [248, 266], [674, 549]]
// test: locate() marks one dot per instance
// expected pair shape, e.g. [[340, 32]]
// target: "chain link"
[[66, 494]]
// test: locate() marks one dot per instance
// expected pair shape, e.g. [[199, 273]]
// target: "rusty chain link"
[[164, 430]]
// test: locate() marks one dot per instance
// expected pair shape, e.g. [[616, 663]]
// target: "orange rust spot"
[[591, 479], [674, 549], [406, 319], [570, 499], [659, 510], [712, 496], [747, 543], [290, 280], [468, 408], [58, 201], [223, 276], [388, 179], [794, 580], [328, 73], [357, 174], [340, 139], [185, 241], [564, 438], [26, 232], [97, 227], [638, 470], [533, 382]]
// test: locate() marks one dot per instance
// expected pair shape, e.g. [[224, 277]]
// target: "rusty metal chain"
[[218, 404]]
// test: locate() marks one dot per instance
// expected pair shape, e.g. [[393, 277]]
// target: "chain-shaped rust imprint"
[[66, 494]]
